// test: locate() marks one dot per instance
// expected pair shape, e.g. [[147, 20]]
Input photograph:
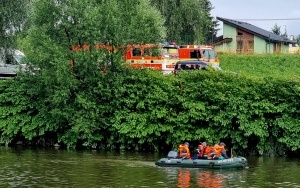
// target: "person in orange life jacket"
[[184, 151], [218, 151], [206, 151], [222, 150], [215, 153], [201, 150]]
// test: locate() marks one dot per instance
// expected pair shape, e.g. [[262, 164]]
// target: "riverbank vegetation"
[[99, 103], [146, 110]]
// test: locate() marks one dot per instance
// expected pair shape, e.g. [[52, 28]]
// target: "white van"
[[11, 64]]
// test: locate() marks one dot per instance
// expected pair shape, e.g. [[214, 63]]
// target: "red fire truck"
[[162, 57], [159, 57]]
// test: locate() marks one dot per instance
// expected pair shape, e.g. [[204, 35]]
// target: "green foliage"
[[143, 108], [13, 20], [188, 21], [297, 39], [99, 103], [276, 29]]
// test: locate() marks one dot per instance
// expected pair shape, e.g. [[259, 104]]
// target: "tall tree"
[[70, 98], [276, 29], [13, 19], [298, 40], [187, 21], [211, 27]]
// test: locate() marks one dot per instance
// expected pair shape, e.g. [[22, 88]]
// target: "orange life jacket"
[[207, 151], [217, 150], [184, 151], [221, 148]]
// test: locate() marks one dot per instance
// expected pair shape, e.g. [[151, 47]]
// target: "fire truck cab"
[[198, 52]]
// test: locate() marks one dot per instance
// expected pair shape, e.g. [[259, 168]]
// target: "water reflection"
[[210, 180], [204, 179], [184, 178]]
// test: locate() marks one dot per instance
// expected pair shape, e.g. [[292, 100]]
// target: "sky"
[[264, 13]]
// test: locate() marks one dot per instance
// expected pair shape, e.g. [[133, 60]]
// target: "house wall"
[[261, 46], [228, 32], [285, 48], [225, 47]]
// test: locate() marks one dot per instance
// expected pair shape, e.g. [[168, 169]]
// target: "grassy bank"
[[282, 66]]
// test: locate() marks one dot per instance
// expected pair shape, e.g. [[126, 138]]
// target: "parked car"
[[190, 65]]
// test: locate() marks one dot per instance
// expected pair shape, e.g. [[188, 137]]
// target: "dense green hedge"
[[146, 110]]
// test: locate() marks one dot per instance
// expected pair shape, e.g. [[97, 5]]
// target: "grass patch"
[[286, 66]]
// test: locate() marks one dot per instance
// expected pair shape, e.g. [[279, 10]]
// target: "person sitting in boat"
[[222, 150], [200, 150], [215, 152], [205, 152], [184, 151], [218, 151], [202, 147]]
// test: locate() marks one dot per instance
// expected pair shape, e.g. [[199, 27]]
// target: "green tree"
[[13, 19], [77, 102], [187, 21], [298, 39], [213, 23], [276, 29]]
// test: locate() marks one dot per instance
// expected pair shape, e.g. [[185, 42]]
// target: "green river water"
[[21, 167]]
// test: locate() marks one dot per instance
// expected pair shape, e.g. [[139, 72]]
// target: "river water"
[[21, 167]]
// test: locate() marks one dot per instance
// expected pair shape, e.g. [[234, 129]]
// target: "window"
[[152, 51], [147, 51], [136, 52], [195, 54], [156, 51]]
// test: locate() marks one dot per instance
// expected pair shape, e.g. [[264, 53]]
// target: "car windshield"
[[19, 58]]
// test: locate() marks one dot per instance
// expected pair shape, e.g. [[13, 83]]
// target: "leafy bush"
[[144, 109]]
